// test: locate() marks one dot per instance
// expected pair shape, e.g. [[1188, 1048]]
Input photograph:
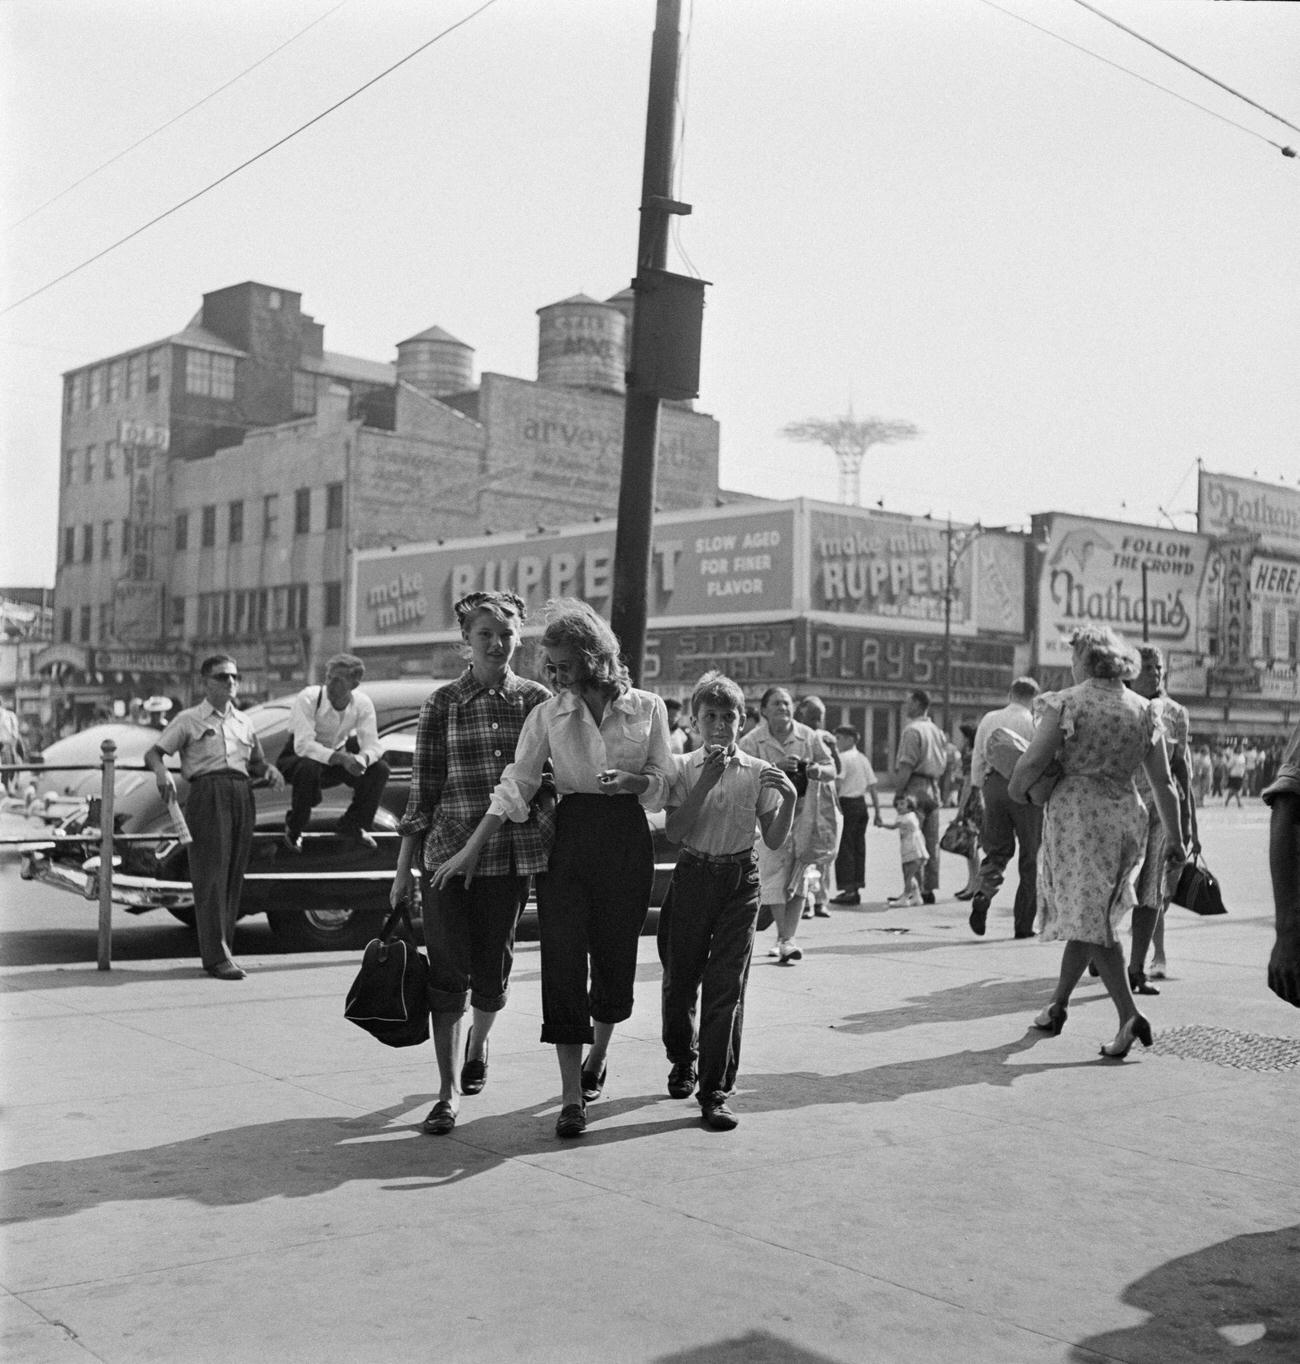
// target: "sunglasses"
[[224, 677]]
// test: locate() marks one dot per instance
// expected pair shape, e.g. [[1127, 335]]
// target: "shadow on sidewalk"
[[302, 1157], [961, 1003], [1235, 1300]]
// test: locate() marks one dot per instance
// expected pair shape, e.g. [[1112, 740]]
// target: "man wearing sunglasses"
[[220, 752]]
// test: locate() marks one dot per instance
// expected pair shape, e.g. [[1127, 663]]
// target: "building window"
[[333, 506], [304, 393], [110, 459], [69, 467], [65, 626], [69, 544], [333, 604], [116, 380], [177, 623], [210, 375], [106, 540], [181, 534], [87, 543], [153, 371], [214, 614], [70, 394], [126, 537], [134, 376], [105, 621], [270, 516], [84, 622], [208, 533], [96, 396], [237, 523], [302, 511], [298, 596], [90, 464]]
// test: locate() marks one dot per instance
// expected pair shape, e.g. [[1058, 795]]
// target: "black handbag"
[[390, 996], [1197, 889], [960, 837]]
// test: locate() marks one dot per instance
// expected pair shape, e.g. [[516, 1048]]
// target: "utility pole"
[[636, 497]]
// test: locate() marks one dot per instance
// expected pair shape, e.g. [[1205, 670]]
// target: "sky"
[[1074, 284]]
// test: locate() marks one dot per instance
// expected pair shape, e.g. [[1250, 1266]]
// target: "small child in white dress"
[[911, 850]]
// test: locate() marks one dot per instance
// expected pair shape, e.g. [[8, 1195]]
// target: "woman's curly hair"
[[573, 624], [1104, 653]]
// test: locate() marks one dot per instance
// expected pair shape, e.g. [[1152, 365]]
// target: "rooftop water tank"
[[436, 363], [582, 343]]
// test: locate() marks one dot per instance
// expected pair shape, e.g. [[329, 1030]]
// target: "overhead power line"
[[176, 118], [243, 165], [1175, 58], [1128, 71]]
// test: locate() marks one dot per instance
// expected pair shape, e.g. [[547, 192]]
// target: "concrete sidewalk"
[[203, 1171]]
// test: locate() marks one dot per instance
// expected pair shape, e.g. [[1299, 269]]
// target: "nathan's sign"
[[1241, 506], [701, 567], [1125, 576]]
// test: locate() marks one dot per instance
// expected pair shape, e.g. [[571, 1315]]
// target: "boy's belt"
[[719, 859]]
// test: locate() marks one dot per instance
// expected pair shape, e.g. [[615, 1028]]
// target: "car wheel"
[[324, 927], [186, 916]]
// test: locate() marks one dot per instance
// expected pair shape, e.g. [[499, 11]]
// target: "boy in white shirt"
[[719, 794]]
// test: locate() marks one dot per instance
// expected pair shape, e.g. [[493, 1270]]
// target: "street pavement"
[[196, 1170]]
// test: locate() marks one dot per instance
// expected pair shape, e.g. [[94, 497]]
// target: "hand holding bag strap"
[[402, 912]]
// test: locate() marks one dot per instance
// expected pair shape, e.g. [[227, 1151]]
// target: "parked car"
[[331, 895]]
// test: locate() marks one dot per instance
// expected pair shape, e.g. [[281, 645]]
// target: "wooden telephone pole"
[[664, 350]]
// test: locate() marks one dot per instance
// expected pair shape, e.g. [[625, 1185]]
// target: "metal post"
[[632, 545], [1146, 627], [108, 750], [947, 627]]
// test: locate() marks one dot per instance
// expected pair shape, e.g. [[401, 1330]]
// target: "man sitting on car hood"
[[334, 738]]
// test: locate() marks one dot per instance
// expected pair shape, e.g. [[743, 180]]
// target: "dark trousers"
[[851, 860], [706, 951], [1006, 824], [219, 811], [308, 779], [591, 905], [470, 934]]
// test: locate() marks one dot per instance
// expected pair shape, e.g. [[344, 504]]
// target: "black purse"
[[1197, 889], [960, 837], [390, 996]]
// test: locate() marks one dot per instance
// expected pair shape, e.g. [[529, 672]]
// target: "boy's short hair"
[[717, 687], [848, 730]]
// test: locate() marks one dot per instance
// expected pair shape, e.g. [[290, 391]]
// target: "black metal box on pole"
[[666, 334]]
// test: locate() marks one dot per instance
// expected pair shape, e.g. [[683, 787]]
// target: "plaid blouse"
[[465, 738]]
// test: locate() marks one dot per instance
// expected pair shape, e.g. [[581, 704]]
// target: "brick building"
[[215, 482]]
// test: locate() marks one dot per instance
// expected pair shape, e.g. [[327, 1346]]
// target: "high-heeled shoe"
[[1138, 984], [1052, 1019], [1137, 1028]]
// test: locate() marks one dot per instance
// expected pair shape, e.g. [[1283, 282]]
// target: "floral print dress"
[[1095, 824]]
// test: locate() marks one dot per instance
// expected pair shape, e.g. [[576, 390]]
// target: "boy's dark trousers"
[[706, 940]]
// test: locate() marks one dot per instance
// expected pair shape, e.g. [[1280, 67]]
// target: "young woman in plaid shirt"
[[608, 743], [465, 738]]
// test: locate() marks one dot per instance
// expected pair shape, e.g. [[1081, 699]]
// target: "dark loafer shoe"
[[718, 1117], [593, 1084], [441, 1119], [681, 1080], [226, 970], [979, 913], [572, 1121], [473, 1074]]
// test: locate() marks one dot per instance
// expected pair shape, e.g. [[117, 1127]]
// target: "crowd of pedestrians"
[[514, 782]]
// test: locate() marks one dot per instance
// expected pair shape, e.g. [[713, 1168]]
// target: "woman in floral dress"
[[1095, 824]]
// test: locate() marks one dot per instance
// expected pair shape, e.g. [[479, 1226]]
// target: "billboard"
[[1122, 575], [732, 562], [1228, 506]]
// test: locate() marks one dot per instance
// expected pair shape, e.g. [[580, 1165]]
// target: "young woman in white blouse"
[[608, 745]]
